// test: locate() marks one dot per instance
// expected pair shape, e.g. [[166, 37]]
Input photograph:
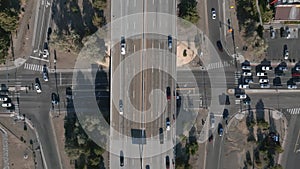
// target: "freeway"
[[143, 75]]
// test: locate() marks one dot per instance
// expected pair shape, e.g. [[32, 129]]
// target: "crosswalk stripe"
[[293, 111], [217, 65], [34, 67]]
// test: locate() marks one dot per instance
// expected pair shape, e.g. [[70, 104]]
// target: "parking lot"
[[264, 75], [275, 50]]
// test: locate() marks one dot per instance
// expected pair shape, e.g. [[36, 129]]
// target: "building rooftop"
[[287, 12]]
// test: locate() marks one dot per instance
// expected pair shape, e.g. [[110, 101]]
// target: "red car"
[[211, 137], [168, 92], [295, 74]]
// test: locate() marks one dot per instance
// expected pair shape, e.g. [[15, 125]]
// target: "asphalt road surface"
[[143, 89]]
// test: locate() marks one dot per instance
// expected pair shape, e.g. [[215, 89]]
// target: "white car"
[[45, 53], [266, 68], [121, 106], [261, 74], [45, 76], [37, 88], [168, 124], [247, 74], [292, 86], [6, 105], [263, 80], [243, 86], [3, 98], [246, 67], [212, 120], [286, 55], [123, 46], [243, 96], [264, 85], [213, 13]]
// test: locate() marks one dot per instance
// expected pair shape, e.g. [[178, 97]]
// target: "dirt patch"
[[185, 54], [18, 144], [236, 145], [20, 156]]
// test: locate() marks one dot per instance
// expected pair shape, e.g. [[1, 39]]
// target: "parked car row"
[[6, 101], [261, 73], [284, 32]]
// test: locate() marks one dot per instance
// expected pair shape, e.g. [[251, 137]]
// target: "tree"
[[8, 22], [188, 10], [260, 30], [99, 4]]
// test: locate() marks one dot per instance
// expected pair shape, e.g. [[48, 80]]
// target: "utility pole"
[[230, 29]]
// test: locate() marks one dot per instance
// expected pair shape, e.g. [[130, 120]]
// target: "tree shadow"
[[260, 112], [88, 13]]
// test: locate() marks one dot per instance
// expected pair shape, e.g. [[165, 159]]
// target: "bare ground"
[[58, 125], [16, 147]]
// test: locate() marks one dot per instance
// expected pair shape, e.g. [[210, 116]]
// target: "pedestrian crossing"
[[237, 75], [220, 64], [293, 110], [34, 67]]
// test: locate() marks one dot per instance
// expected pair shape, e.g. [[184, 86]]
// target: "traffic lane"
[[215, 27], [276, 100], [39, 115], [135, 86], [39, 21], [214, 151], [290, 154], [160, 6]]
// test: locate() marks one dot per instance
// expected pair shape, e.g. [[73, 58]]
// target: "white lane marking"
[[159, 23], [133, 94], [152, 45], [296, 144], [37, 58], [127, 25], [60, 79], [153, 23], [133, 48], [133, 25]]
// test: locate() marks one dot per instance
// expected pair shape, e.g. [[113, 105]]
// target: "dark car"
[[277, 81], [147, 166], [220, 129], [69, 92], [54, 98], [167, 162], [227, 101], [170, 42], [220, 46], [45, 73], [225, 113], [211, 138], [121, 158], [161, 135], [168, 92]]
